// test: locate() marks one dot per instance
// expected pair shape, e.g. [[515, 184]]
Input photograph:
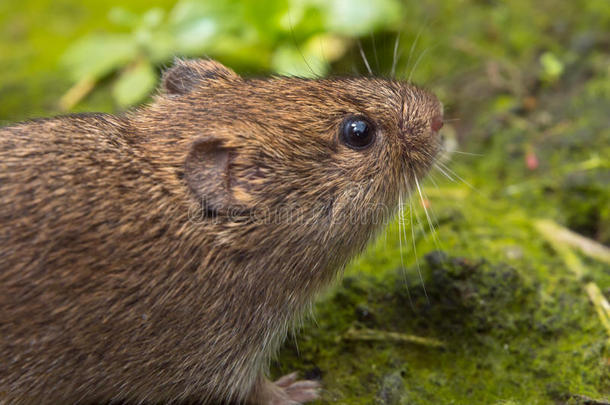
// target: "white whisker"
[[394, 58], [402, 263], [465, 153], [440, 169], [431, 177], [440, 164], [419, 273], [420, 224], [413, 45], [296, 44], [430, 222], [366, 62]]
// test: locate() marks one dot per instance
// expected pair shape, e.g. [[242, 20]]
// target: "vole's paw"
[[293, 392]]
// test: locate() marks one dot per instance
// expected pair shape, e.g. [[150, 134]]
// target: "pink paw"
[[293, 392]]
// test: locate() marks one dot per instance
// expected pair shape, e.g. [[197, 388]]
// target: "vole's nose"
[[436, 123]]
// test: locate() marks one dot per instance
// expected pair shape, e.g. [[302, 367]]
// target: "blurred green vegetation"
[[289, 37], [526, 88]]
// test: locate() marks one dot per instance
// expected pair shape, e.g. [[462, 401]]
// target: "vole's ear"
[[211, 177], [186, 75]]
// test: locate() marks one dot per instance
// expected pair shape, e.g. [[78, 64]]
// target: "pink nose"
[[436, 123]]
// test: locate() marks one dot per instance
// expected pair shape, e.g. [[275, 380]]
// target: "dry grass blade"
[[587, 246], [601, 304], [374, 335], [76, 93]]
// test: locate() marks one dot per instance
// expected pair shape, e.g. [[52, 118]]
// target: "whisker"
[[421, 55], [431, 177], [366, 62], [440, 164], [413, 45], [435, 220], [443, 172], [420, 224], [294, 39], [395, 53], [430, 222], [419, 273], [402, 262], [459, 152]]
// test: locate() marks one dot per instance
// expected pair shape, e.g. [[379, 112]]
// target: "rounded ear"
[[211, 177], [186, 75]]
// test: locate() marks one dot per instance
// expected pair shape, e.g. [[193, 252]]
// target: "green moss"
[[506, 338]]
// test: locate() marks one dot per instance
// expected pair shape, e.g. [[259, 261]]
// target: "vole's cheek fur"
[[163, 255]]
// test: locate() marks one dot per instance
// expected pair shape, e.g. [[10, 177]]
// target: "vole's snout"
[[436, 123]]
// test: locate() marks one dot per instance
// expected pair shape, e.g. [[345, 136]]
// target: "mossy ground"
[[527, 94]]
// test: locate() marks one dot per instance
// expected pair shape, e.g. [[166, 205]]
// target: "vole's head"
[[337, 152]]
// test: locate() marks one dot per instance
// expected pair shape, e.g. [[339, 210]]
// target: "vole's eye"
[[357, 132]]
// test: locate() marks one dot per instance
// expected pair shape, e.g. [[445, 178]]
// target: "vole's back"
[[83, 227], [61, 183], [55, 175]]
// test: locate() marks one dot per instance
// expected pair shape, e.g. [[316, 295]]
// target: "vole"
[[162, 255]]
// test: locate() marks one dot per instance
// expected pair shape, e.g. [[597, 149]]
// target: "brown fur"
[[163, 255]]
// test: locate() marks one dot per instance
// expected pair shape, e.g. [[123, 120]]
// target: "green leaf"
[[96, 56], [134, 84]]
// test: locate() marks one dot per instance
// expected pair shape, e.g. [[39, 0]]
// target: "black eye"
[[357, 132]]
